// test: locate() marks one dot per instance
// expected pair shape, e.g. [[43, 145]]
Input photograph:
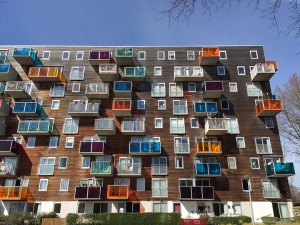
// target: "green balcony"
[[135, 73], [124, 56], [35, 127], [101, 168]]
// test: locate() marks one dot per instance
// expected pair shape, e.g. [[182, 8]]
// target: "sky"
[[138, 23]]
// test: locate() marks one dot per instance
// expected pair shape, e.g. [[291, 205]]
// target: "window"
[[177, 126], [43, 184], [53, 142], [157, 71], [181, 145], [246, 185], [221, 70], [64, 185], [85, 163], [46, 55], [100, 207], [63, 162], [254, 162], [57, 90], [171, 55], [233, 87], [161, 104], [158, 90], [253, 89], [241, 70], [159, 187], [79, 55], [233, 126], [159, 166], [65, 55], [140, 184], [253, 54], [231, 163], [158, 122], [77, 73], [141, 104], [71, 126], [142, 55], [270, 188], [160, 55], [223, 54], [263, 145], [175, 90], [192, 87], [251, 68], [269, 122], [180, 107], [69, 142], [179, 162], [122, 181], [76, 87], [240, 142], [46, 166], [81, 207], [160, 207], [57, 207], [190, 55], [55, 104], [31, 142], [224, 104], [194, 123]]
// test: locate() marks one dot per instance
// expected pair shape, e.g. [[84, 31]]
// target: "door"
[[176, 207]]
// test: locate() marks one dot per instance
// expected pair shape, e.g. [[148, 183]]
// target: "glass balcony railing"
[[97, 90], [121, 107], [117, 191], [269, 107], [45, 169], [216, 126], [87, 193], [92, 148], [4, 68], [26, 57], [280, 169], [15, 193], [7, 72], [18, 89], [27, 108], [207, 169], [9, 148], [263, 71], [135, 73], [101, 168], [208, 147], [46, 74], [129, 168], [7, 169], [27, 127], [197, 193], [107, 69], [97, 55], [2, 88], [204, 108], [124, 52], [188, 73], [122, 86], [136, 126], [84, 109], [105, 126], [144, 147], [209, 56]]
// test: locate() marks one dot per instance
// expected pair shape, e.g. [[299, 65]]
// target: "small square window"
[[221, 70], [254, 163], [160, 55], [241, 70], [161, 104], [192, 87], [63, 162], [269, 122], [233, 87], [65, 55], [55, 104], [76, 87], [171, 55], [46, 55], [142, 55], [53, 142], [179, 162], [157, 71], [64, 185], [158, 123], [141, 104], [231, 163], [57, 207], [43, 184], [190, 55], [79, 55], [69, 142], [194, 123], [31, 142], [240, 142], [81, 207], [85, 163], [253, 54], [223, 55], [224, 104]]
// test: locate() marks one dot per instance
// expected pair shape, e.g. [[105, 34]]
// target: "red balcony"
[[87, 193], [117, 191], [209, 56], [270, 107], [121, 107], [15, 193]]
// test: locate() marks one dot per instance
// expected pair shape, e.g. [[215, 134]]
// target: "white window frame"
[[74, 85], [69, 140], [253, 89], [139, 55], [74, 122], [233, 87], [221, 103], [242, 145], [81, 203], [46, 52], [54, 86], [62, 55], [269, 122], [190, 53], [60, 185], [192, 87], [155, 121], [269, 145], [182, 104], [163, 106], [163, 54], [33, 139], [197, 122], [221, 71], [53, 104], [78, 53], [140, 184], [89, 160], [159, 86], [177, 122], [251, 68], [56, 139], [182, 140], [171, 55], [78, 68], [157, 71], [138, 105], [253, 51], [238, 70], [231, 165], [233, 125], [59, 160], [222, 51], [163, 207], [166, 182], [40, 182], [252, 163], [176, 90], [182, 162]]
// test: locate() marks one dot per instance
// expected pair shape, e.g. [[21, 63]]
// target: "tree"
[[295, 192]]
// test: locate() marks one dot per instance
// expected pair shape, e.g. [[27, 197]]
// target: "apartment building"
[[91, 129]]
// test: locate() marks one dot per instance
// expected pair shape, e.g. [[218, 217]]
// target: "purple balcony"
[[92, 148], [213, 89], [9, 148], [97, 56], [197, 192], [87, 193]]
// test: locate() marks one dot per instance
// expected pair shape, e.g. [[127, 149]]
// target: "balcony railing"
[[213, 89], [4, 108], [26, 57], [105, 126], [108, 72], [216, 126], [182, 148], [29, 127], [7, 169], [209, 56], [121, 107], [208, 169], [124, 56], [208, 148], [87, 193], [27, 109], [197, 193], [7, 72], [117, 191], [122, 89], [135, 73], [188, 73], [14, 193], [101, 168], [84, 109], [92, 148], [18, 89], [9, 148], [270, 191], [129, 168], [269, 107], [144, 148], [263, 71], [134, 127], [280, 169], [97, 90], [45, 169], [205, 108], [46, 74], [97, 56]]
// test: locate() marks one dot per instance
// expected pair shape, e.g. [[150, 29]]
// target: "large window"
[[71, 126], [159, 166], [233, 126], [181, 145], [175, 90], [46, 166], [263, 145], [253, 89], [64, 185], [270, 188], [160, 207], [77, 73], [180, 107], [158, 90], [57, 90], [159, 187], [177, 126]]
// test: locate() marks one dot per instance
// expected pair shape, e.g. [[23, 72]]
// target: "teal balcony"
[[35, 127], [207, 169], [144, 147], [84, 109], [4, 108], [7, 72], [280, 169], [124, 56], [101, 168], [26, 57], [27, 109], [108, 72], [205, 108], [122, 89], [18, 89], [135, 73]]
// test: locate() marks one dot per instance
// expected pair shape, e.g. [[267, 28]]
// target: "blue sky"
[[136, 22]]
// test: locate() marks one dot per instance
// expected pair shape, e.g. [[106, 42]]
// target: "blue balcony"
[[205, 108], [27, 109], [26, 57], [207, 169], [280, 169], [122, 89], [124, 56], [135, 73], [35, 127], [87, 193], [144, 148], [197, 193], [7, 72]]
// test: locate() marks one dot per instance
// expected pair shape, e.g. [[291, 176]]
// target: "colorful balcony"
[[4, 108], [105, 126], [101, 168], [124, 56], [135, 73], [188, 73], [213, 89], [98, 56], [280, 169], [33, 127], [97, 90], [87, 193], [269, 107], [144, 147], [205, 108], [15, 193], [133, 126], [7, 72], [117, 191], [209, 56], [197, 193], [27, 109], [129, 169], [208, 148], [207, 169], [26, 57], [9, 148], [263, 71], [122, 89], [18, 89], [121, 107], [93, 148], [7, 169], [108, 72], [84, 109], [52, 74], [216, 126]]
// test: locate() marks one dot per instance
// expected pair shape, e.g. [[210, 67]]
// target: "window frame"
[[157, 69], [74, 68], [271, 121], [237, 143], [160, 187], [233, 84], [59, 162], [158, 86], [253, 51], [78, 207], [219, 72], [46, 52], [43, 180], [222, 51], [177, 89], [269, 145], [238, 70], [139, 56], [192, 85], [193, 55], [70, 142], [54, 86], [221, 103], [252, 163], [164, 106], [60, 185], [79, 53], [62, 55], [74, 122], [138, 105], [255, 89], [33, 139], [182, 140], [177, 120], [171, 55], [52, 104], [234, 167], [163, 54], [56, 141], [197, 121], [182, 162], [155, 125], [143, 184], [89, 160], [73, 87], [181, 103]]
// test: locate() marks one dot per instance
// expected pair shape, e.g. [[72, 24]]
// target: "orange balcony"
[[121, 107], [209, 56], [269, 107], [117, 191], [15, 193], [264, 71], [208, 148], [46, 74]]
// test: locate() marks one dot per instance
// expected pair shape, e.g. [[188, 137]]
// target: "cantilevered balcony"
[[209, 56], [188, 73], [35, 127], [15, 193], [84, 109], [135, 73], [100, 168], [93, 148], [18, 89], [108, 72], [9, 148], [144, 147], [97, 90], [135, 126], [124, 56], [208, 148], [122, 89], [121, 107], [263, 71], [207, 169], [7, 72], [4, 108], [87, 193], [269, 107], [205, 108], [130, 169], [280, 169], [53, 74], [27, 109], [117, 191], [197, 193], [26, 57], [213, 89], [105, 126], [99, 56], [7, 169], [216, 126]]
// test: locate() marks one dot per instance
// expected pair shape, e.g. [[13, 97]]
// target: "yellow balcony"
[[208, 148], [15, 193], [46, 74]]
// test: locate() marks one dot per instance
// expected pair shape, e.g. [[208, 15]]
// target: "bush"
[[236, 220], [71, 218], [269, 220], [297, 219], [15, 219]]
